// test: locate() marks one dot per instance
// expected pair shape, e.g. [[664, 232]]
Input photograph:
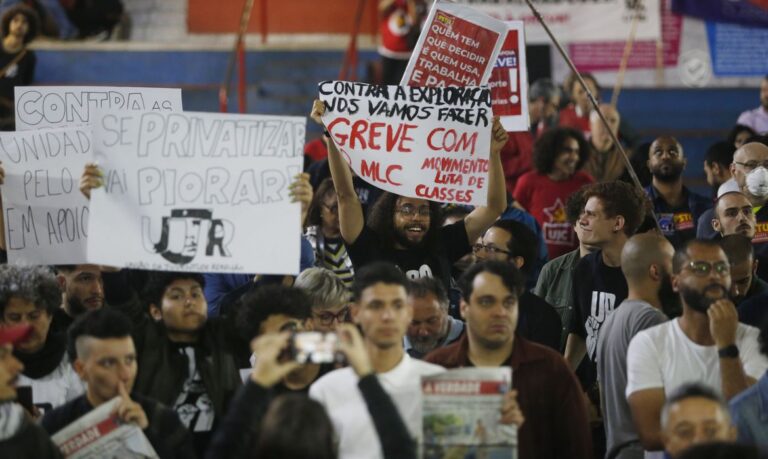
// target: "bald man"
[[605, 162], [750, 170], [646, 261], [677, 208]]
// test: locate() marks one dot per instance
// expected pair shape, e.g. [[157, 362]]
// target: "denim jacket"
[[749, 410]]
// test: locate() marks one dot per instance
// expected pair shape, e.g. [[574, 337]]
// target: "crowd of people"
[[634, 319]]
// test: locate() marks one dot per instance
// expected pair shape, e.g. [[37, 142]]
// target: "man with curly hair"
[[405, 231], [558, 157], [29, 296]]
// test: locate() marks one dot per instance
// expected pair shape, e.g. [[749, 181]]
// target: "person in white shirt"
[[757, 118], [380, 308], [705, 345]]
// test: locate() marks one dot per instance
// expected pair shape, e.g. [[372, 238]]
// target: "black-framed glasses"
[[408, 210], [751, 165], [327, 317], [488, 248], [703, 268]]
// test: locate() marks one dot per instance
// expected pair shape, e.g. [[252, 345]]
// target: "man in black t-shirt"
[[612, 213], [405, 231]]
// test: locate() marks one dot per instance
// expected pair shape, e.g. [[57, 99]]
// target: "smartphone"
[[315, 347]]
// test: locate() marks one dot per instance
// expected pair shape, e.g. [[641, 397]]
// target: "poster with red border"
[[509, 80], [457, 47]]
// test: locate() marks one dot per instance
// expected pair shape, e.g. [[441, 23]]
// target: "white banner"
[[577, 21], [61, 106], [46, 216], [509, 81], [197, 192], [429, 143], [457, 47]]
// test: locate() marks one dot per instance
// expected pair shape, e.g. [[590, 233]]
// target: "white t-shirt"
[[56, 388], [337, 391], [663, 356]]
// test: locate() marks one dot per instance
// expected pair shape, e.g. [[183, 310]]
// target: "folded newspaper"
[[462, 413], [100, 434]]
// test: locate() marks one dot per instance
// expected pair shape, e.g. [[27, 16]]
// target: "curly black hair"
[[34, 284], [32, 19], [381, 219], [548, 147], [620, 198]]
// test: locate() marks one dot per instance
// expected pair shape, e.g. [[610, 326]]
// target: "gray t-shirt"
[[625, 322]]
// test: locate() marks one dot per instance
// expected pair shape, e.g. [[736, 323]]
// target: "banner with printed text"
[[61, 106], [509, 81], [197, 192], [457, 47], [46, 216], [421, 142], [751, 13], [577, 21]]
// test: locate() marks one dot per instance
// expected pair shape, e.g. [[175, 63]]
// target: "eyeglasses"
[[408, 210], [703, 268], [488, 248], [334, 209], [327, 317], [750, 165]]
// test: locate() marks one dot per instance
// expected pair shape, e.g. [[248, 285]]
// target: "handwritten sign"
[[429, 143], [196, 192], [61, 106], [457, 47], [509, 80], [46, 217]]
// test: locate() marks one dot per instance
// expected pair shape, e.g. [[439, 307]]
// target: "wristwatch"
[[728, 352]]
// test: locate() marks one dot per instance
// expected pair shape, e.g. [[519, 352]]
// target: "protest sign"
[[461, 414], [99, 434], [509, 81], [60, 106], [457, 47], [576, 21], [429, 143], [196, 192], [46, 216]]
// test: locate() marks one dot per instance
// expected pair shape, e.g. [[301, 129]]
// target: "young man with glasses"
[[750, 170], [405, 231], [706, 344]]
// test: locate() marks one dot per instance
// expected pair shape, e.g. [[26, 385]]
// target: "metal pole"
[[592, 99]]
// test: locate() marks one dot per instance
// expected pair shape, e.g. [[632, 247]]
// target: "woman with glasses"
[[328, 295], [322, 231], [558, 156]]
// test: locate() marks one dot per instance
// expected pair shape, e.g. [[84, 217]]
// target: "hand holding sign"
[[429, 143], [499, 136], [91, 178]]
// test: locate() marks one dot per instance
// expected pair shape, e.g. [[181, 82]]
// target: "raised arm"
[[351, 218], [482, 218], [723, 322]]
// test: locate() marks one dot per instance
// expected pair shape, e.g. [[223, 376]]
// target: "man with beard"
[[405, 231], [750, 170], [744, 281], [733, 215], [646, 261], [706, 344], [677, 208], [83, 290], [431, 326], [757, 118]]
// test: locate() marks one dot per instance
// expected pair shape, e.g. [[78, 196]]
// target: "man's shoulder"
[[447, 356], [655, 335], [424, 368], [61, 416]]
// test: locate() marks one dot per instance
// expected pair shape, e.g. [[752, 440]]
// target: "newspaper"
[[100, 434], [462, 410]]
